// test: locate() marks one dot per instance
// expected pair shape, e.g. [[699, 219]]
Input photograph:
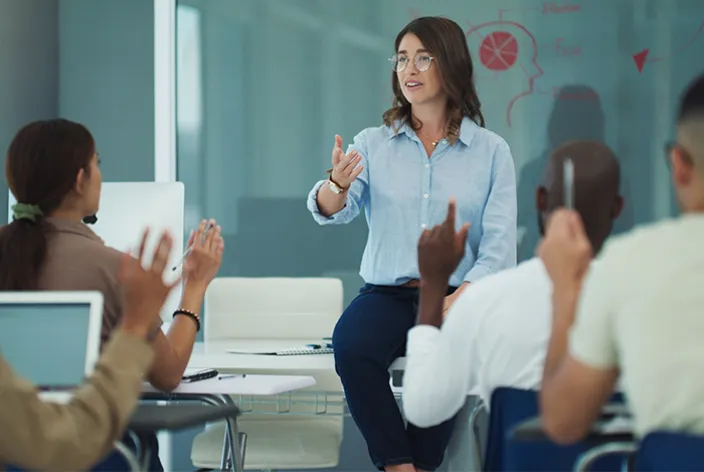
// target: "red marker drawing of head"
[[505, 47]]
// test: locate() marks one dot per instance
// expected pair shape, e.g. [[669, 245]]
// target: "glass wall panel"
[[264, 85]]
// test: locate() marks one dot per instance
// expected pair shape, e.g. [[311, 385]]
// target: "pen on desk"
[[319, 346], [231, 376], [188, 251]]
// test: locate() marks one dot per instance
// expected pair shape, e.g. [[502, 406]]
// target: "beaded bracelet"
[[190, 314]]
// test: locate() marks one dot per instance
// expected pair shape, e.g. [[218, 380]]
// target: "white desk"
[[217, 392], [249, 385], [214, 354]]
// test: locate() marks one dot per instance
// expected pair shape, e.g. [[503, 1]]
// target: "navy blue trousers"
[[369, 336]]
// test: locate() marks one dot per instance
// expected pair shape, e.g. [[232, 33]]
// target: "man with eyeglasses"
[[639, 313]]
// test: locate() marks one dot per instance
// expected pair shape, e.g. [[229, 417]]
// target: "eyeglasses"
[[669, 146], [421, 61], [672, 145]]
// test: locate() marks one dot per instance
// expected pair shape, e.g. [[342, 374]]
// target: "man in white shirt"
[[640, 313], [496, 332]]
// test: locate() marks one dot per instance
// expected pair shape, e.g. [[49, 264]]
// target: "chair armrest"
[[585, 460], [129, 456]]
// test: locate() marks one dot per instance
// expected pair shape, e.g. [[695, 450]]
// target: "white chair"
[[276, 308]]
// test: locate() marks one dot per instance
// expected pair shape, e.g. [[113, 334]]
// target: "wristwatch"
[[333, 186]]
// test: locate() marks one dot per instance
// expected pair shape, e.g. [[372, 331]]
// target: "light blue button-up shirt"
[[404, 192]]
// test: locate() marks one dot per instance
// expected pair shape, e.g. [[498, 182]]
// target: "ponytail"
[[23, 250]]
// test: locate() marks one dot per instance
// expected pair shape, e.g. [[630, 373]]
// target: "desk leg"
[[236, 441], [243, 447], [235, 463], [225, 447]]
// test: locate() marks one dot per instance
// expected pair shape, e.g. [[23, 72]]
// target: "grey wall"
[[29, 69], [88, 61], [106, 68]]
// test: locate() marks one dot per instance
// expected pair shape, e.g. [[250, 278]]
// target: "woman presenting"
[[432, 146]]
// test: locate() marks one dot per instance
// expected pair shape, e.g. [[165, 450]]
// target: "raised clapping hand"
[[345, 167], [203, 262], [441, 249]]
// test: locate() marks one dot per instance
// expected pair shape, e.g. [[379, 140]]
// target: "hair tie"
[[25, 211]]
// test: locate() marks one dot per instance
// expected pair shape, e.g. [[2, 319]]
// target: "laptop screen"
[[45, 343]]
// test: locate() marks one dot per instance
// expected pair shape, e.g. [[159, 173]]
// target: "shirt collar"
[[62, 225], [468, 129]]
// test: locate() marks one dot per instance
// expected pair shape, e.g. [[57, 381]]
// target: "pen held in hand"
[[568, 175], [188, 251]]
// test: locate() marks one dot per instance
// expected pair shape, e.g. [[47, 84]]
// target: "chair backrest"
[[511, 406], [508, 407], [246, 308], [673, 452]]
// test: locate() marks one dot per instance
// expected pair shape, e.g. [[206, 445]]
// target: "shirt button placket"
[[425, 197]]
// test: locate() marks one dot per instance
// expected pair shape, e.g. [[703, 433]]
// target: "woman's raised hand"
[[345, 167]]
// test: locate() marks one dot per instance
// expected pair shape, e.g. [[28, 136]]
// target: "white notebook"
[[297, 351]]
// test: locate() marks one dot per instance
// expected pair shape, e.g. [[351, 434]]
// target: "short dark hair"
[[597, 176], [447, 43], [692, 101], [41, 166]]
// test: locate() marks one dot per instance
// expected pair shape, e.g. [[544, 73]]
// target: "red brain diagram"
[[498, 51], [505, 53]]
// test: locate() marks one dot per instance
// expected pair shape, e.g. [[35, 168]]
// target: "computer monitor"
[[126, 208], [52, 339]]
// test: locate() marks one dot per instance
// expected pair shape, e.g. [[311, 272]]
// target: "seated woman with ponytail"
[[52, 169]]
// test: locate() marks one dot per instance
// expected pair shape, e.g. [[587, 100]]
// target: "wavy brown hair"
[[446, 42]]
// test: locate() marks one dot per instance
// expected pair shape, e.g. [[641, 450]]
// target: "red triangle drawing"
[[640, 58]]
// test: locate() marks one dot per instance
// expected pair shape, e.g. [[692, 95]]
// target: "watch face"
[[334, 187]]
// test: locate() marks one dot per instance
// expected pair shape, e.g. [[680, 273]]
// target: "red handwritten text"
[[554, 8], [565, 50]]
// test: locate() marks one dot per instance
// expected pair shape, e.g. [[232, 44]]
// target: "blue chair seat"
[[670, 452], [509, 407]]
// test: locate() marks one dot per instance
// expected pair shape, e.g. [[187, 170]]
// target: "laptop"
[[52, 339]]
